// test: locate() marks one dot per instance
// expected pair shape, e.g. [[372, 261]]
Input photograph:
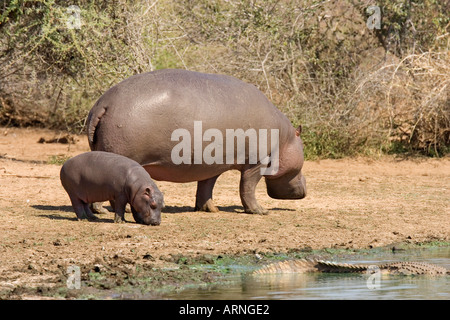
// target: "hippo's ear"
[[298, 131], [148, 192]]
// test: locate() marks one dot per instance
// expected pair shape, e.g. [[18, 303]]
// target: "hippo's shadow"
[[166, 209], [231, 209], [281, 209], [184, 209], [53, 208], [240, 209], [66, 209], [177, 209]]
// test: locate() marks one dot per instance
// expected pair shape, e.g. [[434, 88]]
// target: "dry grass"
[[354, 90], [409, 100]]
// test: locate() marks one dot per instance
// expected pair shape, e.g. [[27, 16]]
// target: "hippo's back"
[[136, 118]]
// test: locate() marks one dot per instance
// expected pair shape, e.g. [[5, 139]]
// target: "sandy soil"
[[352, 203]]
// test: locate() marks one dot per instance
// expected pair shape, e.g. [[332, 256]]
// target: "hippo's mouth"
[[145, 219], [285, 188]]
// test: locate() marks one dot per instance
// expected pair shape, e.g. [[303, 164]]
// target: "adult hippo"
[[174, 123]]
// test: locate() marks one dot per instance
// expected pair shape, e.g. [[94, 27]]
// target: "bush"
[[54, 71], [354, 90]]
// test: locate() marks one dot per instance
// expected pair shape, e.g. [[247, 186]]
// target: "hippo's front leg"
[[113, 206], [250, 177], [119, 209], [203, 199]]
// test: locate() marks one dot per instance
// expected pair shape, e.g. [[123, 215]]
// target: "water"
[[319, 286]]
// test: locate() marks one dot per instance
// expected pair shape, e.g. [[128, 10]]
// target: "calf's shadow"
[[166, 209], [64, 209]]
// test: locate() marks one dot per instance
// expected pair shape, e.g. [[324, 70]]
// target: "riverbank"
[[352, 204]]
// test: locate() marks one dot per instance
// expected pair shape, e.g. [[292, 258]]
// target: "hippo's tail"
[[93, 120]]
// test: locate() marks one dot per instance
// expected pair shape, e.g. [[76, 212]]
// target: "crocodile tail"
[[288, 266], [303, 266], [335, 267], [93, 120]]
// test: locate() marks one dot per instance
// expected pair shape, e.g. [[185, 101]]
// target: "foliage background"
[[354, 90]]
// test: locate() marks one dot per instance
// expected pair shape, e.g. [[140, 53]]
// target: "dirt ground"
[[351, 203]]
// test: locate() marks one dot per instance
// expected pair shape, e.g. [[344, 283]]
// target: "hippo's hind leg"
[[82, 209], [203, 198], [88, 212], [250, 177], [79, 209], [97, 207]]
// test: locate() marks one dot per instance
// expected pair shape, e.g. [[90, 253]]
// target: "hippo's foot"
[[119, 219], [203, 198], [257, 210], [207, 207], [97, 207], [86, 216], [92, 218], [88, 213]]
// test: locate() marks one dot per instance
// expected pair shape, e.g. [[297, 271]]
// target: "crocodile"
[[305, 266]]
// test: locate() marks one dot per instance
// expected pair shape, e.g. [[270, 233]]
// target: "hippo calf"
[[145, 116], [100, 176]]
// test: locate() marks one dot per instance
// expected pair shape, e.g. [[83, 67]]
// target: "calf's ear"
[[149, 193], [298, 131]]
